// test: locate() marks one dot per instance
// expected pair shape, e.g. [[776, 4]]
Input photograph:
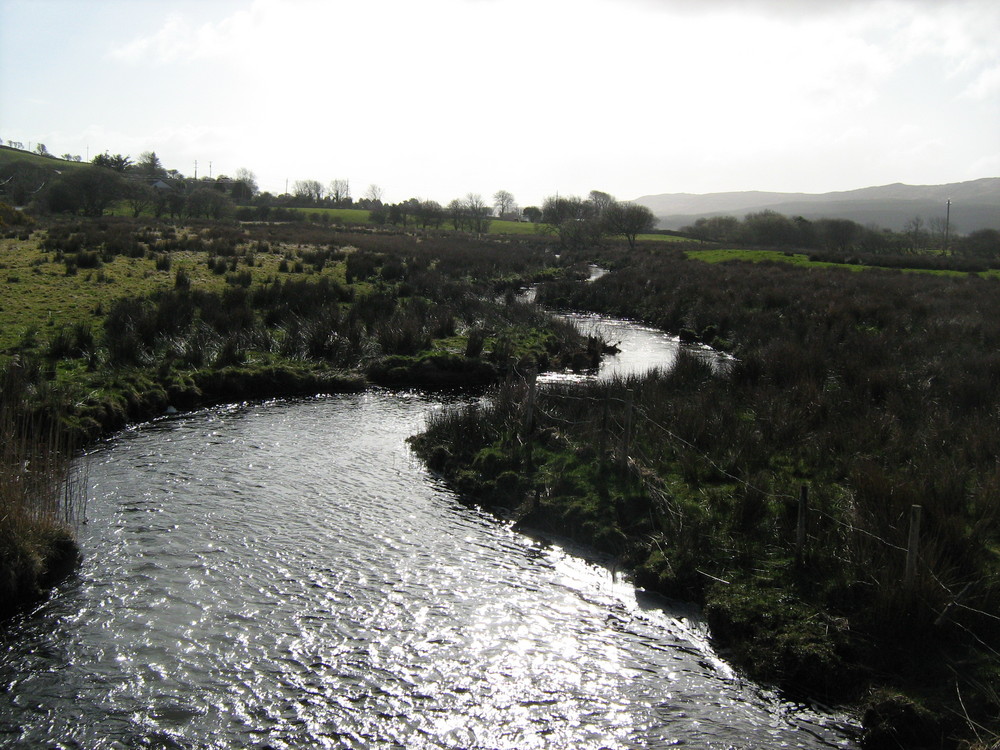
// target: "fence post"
[[627, 432], [602, 443], [800, 531], [529, 405], [912, 546]]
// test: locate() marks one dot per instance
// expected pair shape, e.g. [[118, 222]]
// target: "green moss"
[[779, 638], [34, 556]]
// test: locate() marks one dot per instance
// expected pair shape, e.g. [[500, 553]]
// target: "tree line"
[[840, 239], [585, 222]]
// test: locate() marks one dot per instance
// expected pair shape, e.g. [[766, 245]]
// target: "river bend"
[[287, 575]]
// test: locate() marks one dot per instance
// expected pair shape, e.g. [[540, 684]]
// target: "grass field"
[[8, 155], [361, 216], [802, 260], [335, 215], [38, 293]]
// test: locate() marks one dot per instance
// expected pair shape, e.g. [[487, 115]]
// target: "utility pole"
[[947, 224]]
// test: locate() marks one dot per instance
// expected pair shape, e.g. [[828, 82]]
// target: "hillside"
[[974, 205], [9, 155]]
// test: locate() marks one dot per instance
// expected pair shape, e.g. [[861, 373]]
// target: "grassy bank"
[[871, 393], [112, 321], [39, 500]]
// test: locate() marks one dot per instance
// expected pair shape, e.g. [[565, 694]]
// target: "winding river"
[[287, 575]]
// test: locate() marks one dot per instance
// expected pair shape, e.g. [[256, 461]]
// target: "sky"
[[437, 99]]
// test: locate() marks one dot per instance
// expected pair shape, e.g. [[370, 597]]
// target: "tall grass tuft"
[[41, 498]]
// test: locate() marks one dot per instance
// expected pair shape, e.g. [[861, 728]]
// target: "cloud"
[[172, 42], [985, 87], [443, 96]]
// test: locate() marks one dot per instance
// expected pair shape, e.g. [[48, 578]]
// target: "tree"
[[149, 167], [207, 202], [374, 194], [41, 150], [503, 202], [557, 209], [532, 214], [456, 214], [118, 163], [88, 190], [916, 233], [983, 243], [715, 229], [429, 212], [768, 228], [837, 234], [339, 192], [21, 180], [600, 201], [309, 191], [244, 186], [478, 213], [628, 220], [576, 221], [139, 197]]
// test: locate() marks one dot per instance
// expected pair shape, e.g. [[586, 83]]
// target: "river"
[[287, 575]]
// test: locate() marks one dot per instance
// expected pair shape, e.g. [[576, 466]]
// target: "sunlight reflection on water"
[[288, 575]]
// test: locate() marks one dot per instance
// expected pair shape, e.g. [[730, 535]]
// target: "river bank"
[[288, 573], [695, 480], [111, 322], [700, 503]]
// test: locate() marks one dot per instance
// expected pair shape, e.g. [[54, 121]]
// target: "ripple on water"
[[285, 574]]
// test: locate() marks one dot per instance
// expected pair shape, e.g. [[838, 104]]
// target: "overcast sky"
[[439, 98]]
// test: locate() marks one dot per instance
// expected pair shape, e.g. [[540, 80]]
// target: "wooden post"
[[912, 546], [602, 441], [800, 531], [627, 432], [529, 406]]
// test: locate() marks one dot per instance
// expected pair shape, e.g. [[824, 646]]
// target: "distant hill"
[[974, 205], [8, 155]]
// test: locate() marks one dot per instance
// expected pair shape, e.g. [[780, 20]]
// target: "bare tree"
[[478, 213], [503, 202], [309, 190], [339, 192], [600, 201], [374, 193], [628, 220], [456, 214], [430, 212], [244, 185]]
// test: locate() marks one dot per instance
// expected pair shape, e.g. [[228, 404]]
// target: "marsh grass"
[[42, 498], [876, 391]]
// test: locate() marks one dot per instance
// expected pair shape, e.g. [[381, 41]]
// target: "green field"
[[761, 256], [336, 215], [360, 216], [39, 295], [802, 260], [8, 155]]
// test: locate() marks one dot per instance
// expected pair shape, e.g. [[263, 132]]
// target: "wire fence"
[[615, 422]]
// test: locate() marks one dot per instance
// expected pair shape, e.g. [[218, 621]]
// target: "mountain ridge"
[[975, 204]]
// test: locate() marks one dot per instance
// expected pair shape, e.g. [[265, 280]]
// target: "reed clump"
[[41, 499]]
